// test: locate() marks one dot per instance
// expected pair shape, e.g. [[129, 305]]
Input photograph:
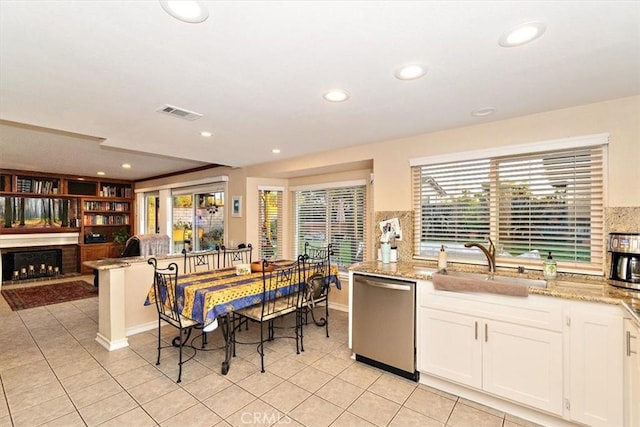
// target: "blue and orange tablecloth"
[[206, 295]]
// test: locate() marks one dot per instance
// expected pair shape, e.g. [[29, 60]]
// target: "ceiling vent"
[[180, 113]]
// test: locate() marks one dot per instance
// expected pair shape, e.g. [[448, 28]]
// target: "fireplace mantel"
[[37, 239], [33, 240]]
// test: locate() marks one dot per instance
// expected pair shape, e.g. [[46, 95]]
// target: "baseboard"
[[141, 328], [339, 307], [111, 345]]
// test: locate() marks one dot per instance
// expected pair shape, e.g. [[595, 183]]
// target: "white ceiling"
[[257, 72]]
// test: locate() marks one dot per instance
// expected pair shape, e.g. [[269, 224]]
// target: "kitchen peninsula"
[[124, 284], [562, 354]]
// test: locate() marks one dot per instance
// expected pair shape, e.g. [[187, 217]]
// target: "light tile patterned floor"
[[53, 373]]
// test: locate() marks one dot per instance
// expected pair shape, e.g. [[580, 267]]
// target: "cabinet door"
[[632, 373], [92, 253], [450, 346], [115, 250], [523, 364], [596, 365]]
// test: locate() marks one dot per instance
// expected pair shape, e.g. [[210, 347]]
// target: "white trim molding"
[[535, 147], [37, 239]]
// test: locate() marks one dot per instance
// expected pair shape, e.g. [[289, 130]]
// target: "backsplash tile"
[[622, 219], [405, 246], [617, 219]]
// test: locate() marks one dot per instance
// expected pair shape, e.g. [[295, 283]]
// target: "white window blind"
[[270, 224], [332, 215], [529, 204]]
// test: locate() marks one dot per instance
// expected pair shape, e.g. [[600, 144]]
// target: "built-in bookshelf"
[[102, 220], [6, 184], [99, 210], [116, 190], [37, 185]]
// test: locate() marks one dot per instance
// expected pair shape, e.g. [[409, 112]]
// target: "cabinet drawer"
[[534, 311]]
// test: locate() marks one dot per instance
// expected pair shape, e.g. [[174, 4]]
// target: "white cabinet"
[[504, 358], [596, 364], [523, 364], [632, 373], [451, 347]]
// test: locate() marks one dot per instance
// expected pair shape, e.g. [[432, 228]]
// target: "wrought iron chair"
[[165, 281], [231, 257], [317, 276], [195, 261], [281, 295], [200, 260]]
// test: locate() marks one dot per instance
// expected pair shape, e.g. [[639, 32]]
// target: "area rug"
[[37, 296]]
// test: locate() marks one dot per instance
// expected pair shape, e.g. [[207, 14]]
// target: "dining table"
[[212, 296]]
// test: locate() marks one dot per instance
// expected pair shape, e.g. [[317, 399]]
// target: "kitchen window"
[[270, 223], [333, 215], [530, 201]]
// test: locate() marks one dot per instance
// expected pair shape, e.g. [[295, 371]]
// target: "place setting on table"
[[208, 299]]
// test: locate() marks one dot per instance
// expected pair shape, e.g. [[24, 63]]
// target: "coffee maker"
[[625, 260]]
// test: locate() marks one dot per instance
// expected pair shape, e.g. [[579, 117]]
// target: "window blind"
[[529, 204], [332, 215], [270, 224]]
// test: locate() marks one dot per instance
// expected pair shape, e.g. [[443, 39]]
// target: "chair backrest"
[[165, 282], [231, 257], [131, 247], [317, 259], [316, 269], [200, 260], [282, 288]]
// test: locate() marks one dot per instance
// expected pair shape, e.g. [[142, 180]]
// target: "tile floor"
[[53, 373]]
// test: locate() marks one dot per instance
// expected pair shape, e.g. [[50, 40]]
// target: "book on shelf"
[[106, 220], [116, 191], [38, 186]]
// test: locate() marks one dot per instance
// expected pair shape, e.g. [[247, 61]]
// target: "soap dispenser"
[[550, 268], [442, 259]]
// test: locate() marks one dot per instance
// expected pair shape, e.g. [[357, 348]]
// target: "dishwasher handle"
[[384, 285]]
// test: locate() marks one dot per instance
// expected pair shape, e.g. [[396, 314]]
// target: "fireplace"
[[42, 262]]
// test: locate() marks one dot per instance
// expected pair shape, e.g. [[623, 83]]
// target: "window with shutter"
[[529, 204], [332, 215]]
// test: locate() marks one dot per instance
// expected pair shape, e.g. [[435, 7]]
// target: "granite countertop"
[[574, 287], [111, 263], [107, 264]]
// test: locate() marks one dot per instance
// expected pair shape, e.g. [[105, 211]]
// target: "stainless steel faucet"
[[489, 253]]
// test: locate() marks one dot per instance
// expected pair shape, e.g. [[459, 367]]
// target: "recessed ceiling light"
[[100, 173], [522, 34], [206, 134], [276, 151], [482, 112], [186, 10], [126, 166], [336, 95], [411, 72]]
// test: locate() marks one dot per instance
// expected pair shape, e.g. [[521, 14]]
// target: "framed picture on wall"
[[236, 206]]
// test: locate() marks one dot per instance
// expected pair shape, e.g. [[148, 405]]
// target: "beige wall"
[[389, 160], [392, 189], [620, 118]]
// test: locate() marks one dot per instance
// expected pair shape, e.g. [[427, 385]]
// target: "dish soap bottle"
[[442, 259], [550, 268]]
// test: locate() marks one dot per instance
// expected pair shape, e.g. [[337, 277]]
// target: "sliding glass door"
[[208, 228], [198, 220]]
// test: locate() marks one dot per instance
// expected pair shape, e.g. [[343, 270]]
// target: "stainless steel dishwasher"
[[384, 324]]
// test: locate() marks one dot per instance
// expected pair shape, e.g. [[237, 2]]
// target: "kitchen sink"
[[491, 278]]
